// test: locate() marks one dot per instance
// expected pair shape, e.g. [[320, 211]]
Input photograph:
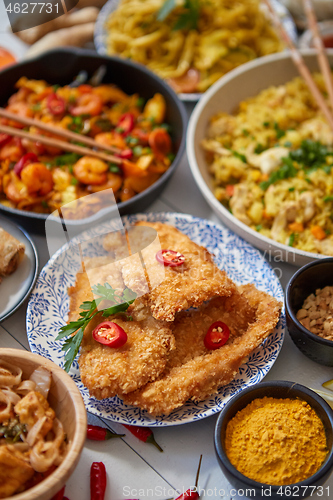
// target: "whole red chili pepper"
[[192, 493], [96, 433], [144, 434], [59, 495], [97, 481]]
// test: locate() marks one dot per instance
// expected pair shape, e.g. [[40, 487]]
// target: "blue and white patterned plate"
[[48, 307]]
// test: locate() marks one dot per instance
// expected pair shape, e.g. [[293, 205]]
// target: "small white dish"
[[14, 289]]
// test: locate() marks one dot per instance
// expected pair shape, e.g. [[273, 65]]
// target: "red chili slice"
[[23, 162], [125, 124], [126, 154], [110, 334], [4, 139], [170, 258], [217, 335], [55, 104]]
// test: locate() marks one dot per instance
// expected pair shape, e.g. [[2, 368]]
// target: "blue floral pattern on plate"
[[48, 307]]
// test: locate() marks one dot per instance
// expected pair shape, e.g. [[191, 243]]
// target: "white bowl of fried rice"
[[262, 156]]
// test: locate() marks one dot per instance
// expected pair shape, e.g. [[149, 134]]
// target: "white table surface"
[[136, 469]]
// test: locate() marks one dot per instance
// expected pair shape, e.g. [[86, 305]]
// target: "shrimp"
[[14, 188], [111, 139], [88, 104], [89, 170], [12, 151], [37, 178], [114, 181], [21, 109]]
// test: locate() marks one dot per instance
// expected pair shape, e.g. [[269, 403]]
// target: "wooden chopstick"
[[301, 66], [57, 131], [66, 146], [318, 44]]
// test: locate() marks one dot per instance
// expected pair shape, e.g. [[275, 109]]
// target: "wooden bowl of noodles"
[[65, 399]]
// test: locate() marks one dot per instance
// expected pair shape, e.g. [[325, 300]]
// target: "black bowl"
[[276, 389], [305, 281], [61, 66]]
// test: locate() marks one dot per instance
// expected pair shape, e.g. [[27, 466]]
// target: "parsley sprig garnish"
[[189, 17], [120, 303]]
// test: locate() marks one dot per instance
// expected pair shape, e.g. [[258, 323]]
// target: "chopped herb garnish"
[[266, 124], [239, 156], [119, 130], [279, 132], [259, 149], [259, 227], [171, 157], [104, 124], [44, 204], [74, 181], [140, 102], [37, 106], [287, 144], [328, 198], [245, 132], [291, 239], [166, 127], [114, 168], [131, 141], [284, 172], [188, 19], [66, 159], [55, 87], [291, 189], [120, 301], [137, 150]]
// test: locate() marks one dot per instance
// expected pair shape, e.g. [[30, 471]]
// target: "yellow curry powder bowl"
[[257, 432]]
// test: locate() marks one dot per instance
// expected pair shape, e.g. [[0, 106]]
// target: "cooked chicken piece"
[[240, 203], [215, 147], [307, 205], [15, 470], [287, 214], [324, 246], [193, 372], [318, 130], [222, 125], [32, 408], [108, 371], [268, 160], [198, 279]]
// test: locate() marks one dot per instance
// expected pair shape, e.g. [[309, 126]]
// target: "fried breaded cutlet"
[[198, 279], [192, 371], [106, 371]]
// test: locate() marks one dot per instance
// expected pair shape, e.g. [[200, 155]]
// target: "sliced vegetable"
[[97, 433], [4, 138], [144, 434], [160, 142], [125, 124], [318, 232], [217, 335], [170, 258], [23, 162], [55, 104], [110, 334]]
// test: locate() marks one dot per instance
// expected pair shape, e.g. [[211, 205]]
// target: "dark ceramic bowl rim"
[[274, 383], [138, 68], [289, 309]]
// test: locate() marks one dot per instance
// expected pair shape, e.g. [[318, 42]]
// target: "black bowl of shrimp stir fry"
[[112, 101]]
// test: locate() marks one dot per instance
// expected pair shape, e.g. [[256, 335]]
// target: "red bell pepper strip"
[[59, 495], [23, 162], [144, 434], [110, 334], [96, 433], [97, 481], [192, 493], [217, 335], [55, 104], [170, 258], [125, 124], [4, 139]]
